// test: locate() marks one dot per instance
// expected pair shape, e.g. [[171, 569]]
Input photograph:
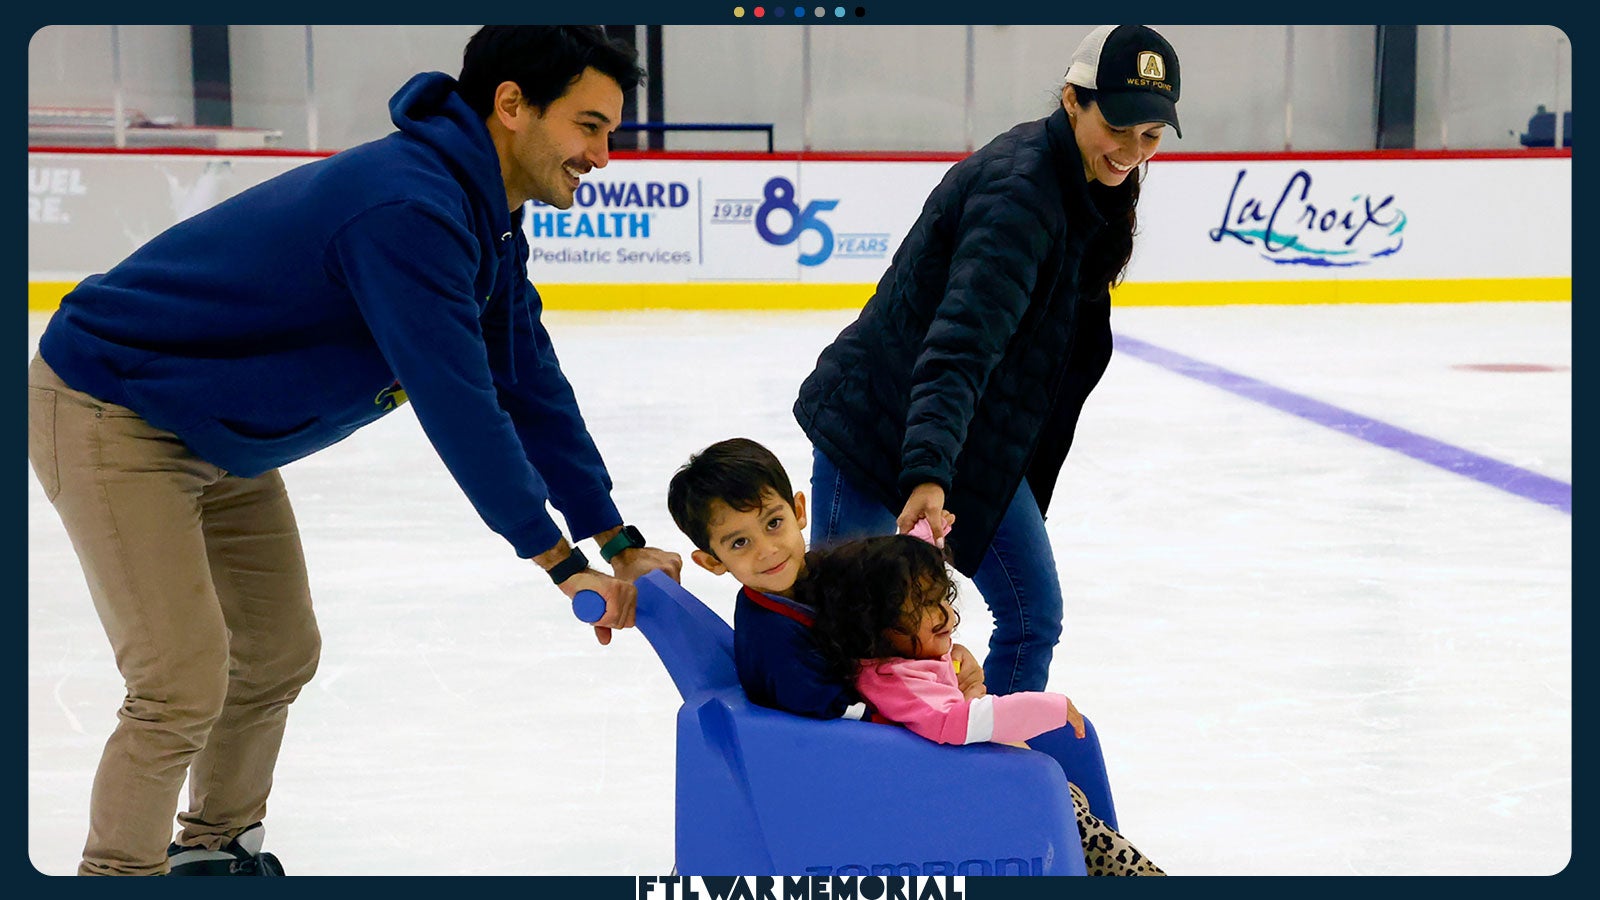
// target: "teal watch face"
[[628, 538]]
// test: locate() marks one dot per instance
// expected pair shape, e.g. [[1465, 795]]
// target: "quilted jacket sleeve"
[[1003, 237]]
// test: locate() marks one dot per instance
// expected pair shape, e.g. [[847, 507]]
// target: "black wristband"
[[576, 562]]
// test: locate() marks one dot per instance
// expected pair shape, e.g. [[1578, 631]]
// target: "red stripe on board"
[[1320, 155], [908, 156], [180, 151], [791, 156], [1289, 156]]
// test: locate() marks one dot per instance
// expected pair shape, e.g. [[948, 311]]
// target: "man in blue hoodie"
[[168, 392]]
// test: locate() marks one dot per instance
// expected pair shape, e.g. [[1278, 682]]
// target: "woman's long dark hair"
[[863, 589], [1108, 254]]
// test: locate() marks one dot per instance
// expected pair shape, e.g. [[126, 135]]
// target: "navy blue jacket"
[[282, 319], [778, 663]]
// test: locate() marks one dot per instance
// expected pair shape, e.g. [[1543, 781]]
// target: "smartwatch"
[[628, 538], [574, 563]]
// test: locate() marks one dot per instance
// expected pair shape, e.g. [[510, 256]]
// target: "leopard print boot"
[[1106, 852]]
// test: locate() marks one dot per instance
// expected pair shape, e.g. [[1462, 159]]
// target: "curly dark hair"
[[865, 589]]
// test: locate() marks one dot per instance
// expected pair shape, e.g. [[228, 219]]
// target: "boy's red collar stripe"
[[771, 603]]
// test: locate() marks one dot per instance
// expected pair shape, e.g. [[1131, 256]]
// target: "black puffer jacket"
[[970, 364]]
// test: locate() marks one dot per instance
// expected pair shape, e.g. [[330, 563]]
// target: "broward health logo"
[[765, 887], [608, 209], [1292, 227]]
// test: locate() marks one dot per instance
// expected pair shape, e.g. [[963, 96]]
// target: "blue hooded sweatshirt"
[[284, 318]]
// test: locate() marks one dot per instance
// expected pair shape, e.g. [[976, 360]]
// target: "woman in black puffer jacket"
[[955, 394]]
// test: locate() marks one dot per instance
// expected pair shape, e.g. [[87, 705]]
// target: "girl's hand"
[[1075, 719], [969, 675]]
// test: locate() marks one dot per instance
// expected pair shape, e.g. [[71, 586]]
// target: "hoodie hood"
[[428, 108]]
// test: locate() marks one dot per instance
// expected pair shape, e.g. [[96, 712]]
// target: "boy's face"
[[764, 548]]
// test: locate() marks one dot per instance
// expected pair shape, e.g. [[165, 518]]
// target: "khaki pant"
[[200, 583]]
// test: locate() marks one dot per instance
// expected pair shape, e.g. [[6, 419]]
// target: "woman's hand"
[[926, 502]]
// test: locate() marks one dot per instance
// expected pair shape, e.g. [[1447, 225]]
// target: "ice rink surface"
[[1305, 653]]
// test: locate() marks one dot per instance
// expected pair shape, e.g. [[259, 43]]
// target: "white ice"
[[1305, 654]]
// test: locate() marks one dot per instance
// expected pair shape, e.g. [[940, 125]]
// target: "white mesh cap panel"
[[1086, 59]]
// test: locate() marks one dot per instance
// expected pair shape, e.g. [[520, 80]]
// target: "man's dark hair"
[[543, 60], [736, 471]]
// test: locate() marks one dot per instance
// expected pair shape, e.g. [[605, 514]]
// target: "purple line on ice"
[[1530, 485]]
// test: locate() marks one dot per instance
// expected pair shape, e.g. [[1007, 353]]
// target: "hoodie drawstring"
[[511, 329]]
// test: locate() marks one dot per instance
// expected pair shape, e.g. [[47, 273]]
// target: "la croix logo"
[[1291, 229]]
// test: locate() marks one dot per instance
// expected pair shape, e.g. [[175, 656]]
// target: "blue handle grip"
[[589, 606]]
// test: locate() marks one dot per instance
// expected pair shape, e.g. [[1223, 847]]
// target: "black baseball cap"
[[1134, 72]]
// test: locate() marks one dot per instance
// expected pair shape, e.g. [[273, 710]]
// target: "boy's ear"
[[708, 562], [800, 508]]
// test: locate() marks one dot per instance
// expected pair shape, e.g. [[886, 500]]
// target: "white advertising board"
[[666, 225], [87, 211], [1383, 219]]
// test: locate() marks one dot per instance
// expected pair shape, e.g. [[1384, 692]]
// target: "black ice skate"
[[241, 856]]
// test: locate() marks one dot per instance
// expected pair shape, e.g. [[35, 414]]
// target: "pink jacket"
[[923, 695]]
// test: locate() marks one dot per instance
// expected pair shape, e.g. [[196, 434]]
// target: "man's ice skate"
[[241, 856]]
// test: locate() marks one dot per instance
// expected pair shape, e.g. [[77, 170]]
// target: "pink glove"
[[924, 531]]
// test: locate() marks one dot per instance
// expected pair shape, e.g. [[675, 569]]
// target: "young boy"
[[733, 500]]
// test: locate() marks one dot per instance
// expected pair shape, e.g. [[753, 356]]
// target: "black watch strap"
[[628, 538], [572, 565]]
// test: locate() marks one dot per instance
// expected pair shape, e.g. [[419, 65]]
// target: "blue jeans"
[[1017, 577]]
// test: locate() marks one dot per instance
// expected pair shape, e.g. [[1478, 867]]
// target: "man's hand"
[[969, 675], [620, 594], [630, 564], [621, 599]]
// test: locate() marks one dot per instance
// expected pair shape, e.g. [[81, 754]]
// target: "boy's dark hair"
[[863, 588], [736, 471], [543, 60]]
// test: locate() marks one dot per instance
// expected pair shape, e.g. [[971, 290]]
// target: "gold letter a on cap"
[[1151, 65]]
